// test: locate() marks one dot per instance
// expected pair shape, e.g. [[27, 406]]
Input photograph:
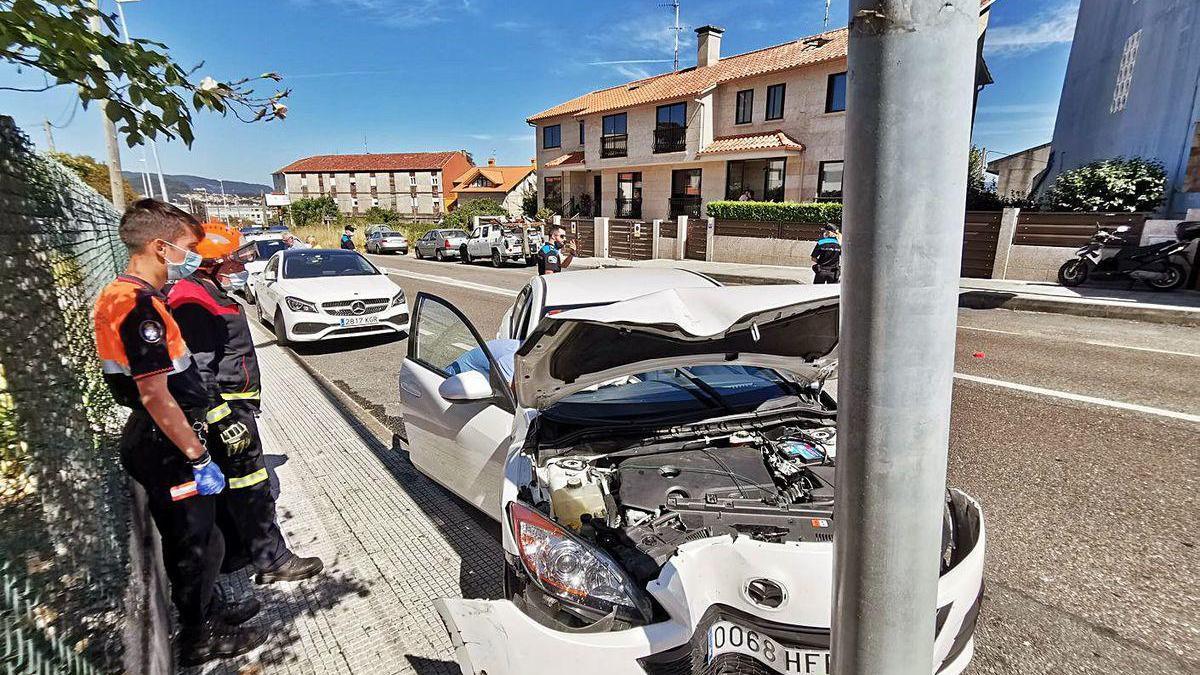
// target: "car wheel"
[[465, 256], [417, 252], [1172, 279], [439, 255], [281, 336], [1073, 273], [497, 261]]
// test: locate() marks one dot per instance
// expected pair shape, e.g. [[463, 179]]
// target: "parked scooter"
[[1163, 266]]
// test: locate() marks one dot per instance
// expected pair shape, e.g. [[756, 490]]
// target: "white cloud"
[[481, 137], [1051, 27], [399, 12], [632, 72]]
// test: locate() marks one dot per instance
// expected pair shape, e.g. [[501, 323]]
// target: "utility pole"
[[162, 183], [115, 181], [49, 135], [911, 72]]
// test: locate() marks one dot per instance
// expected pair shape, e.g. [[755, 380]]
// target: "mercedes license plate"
[[725, 637], [359, 320]]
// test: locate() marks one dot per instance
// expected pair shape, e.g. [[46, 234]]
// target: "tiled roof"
[[505, 178], [387, 161], [769, 140], [807, 51], [569, 158]]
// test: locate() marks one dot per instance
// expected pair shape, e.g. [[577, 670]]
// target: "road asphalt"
[[1077, 435]]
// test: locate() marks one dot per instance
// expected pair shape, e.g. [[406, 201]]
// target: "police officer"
[[556, 253], [214, 327], [347, 241], [148, 368], [827, 256]]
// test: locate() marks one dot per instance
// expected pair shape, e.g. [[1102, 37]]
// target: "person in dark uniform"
[[148, 368], [347, 241], [827, 256], [556, 253], [215, 329]]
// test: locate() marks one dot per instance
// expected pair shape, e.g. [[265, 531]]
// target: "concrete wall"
[[1161, 111], [1037, 263], [762, 251]]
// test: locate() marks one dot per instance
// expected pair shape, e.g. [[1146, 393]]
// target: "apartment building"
[[768, 124], [417, 185], [505, 185]]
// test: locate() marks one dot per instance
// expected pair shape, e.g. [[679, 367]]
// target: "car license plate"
[[725, 637], [359, 320]]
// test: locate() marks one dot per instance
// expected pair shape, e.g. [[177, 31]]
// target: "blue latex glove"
[[209, 479]]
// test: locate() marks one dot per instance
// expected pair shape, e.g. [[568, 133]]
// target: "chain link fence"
[[65, 563]]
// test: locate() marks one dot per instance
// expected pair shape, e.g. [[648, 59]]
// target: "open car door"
[[457, 404]]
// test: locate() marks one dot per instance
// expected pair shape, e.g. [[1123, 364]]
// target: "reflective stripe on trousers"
[[248, 480]]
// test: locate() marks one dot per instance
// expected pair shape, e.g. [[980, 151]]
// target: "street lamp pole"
[[911, 71], [162, 183]]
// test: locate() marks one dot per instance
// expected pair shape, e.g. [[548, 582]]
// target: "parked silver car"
[[386, 241], [440, 244]]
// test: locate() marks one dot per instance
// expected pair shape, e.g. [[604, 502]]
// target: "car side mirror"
[[470, 385]]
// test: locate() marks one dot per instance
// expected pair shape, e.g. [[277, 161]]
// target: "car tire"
[[417, 252], [497, 259], [465, 256], [439, 255], [281, 336]]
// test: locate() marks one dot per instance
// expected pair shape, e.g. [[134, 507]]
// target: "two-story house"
[[767, 125], [418, 185], [505, 185]]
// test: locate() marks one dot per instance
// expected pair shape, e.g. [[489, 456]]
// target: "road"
[[1077, 435]]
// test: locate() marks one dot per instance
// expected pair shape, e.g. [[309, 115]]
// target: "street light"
[[162, 183], [147, 184]]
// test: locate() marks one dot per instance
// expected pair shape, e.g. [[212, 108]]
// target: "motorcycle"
[[1163, 266]]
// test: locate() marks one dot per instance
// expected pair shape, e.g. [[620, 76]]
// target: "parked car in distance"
[[386, 241], [666, 502], [440, 244], [501, 243], [254, 255], [315, 294]]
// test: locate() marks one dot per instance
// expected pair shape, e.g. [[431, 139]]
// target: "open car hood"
[[789, 328]]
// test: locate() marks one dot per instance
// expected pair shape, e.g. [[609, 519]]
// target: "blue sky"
[[412, 75]]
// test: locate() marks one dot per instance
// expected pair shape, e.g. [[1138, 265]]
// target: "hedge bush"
[[814, 212]]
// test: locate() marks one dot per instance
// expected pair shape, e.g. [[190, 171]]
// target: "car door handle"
[[410, 389]]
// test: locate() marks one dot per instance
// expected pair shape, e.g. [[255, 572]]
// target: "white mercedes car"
[[255, 255], [663, 471], [321, 294]]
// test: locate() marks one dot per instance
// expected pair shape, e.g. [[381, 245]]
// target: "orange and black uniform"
[[216, 331], [136, 337]]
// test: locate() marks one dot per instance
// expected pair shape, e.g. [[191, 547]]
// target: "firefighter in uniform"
[[215, 329], [827, 257], [148, 368], [556, 253]]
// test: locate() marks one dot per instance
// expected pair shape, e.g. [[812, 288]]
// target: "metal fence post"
[[654, 242], [1004, 242], [600, 238], [908, 122], [681, 233]]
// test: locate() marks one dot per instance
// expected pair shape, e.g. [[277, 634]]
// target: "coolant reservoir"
[[573, 494]]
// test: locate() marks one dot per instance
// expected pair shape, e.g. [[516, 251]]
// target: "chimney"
[[533, 161], [491, 161], [708, 45]]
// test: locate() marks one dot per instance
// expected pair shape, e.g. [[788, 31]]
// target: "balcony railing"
[[629, 208], [685, 205], [614, 145], [670, 139]]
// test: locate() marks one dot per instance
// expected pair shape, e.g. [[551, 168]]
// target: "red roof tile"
[[387, 161], [569, 158], [769, 140]]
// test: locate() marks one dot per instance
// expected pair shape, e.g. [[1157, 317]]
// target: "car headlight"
[[573, 571], [298, 305], [398, 299]]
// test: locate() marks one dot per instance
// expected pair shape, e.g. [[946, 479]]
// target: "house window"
[[835, 93], [829, 181], [685, 193], [670, 129], [775, 102], [481, 182], [629, 194], [581, 132], [745, 107], [614, 139], [552, 189], [757, 179], [552, 136], [412, 177], [1125, 73]]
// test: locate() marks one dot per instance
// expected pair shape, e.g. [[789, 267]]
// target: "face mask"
[[558, 244], [186, 268], [235, 281]]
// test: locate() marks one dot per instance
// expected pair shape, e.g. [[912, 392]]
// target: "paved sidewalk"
[[1112, 300], [392, 541]]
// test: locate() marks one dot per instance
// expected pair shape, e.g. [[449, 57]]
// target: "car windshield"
[[452, 233], [312, 264], [389, 234]]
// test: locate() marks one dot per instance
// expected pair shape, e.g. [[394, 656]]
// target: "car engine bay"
[[640, 504]]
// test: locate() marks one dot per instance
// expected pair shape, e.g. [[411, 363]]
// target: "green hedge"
[[814, 212]]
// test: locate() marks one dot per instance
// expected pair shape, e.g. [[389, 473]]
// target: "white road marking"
[[1097, 343], [451, 281], [1120, 405]]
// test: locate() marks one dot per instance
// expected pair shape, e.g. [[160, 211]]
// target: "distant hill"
[[177, 183]]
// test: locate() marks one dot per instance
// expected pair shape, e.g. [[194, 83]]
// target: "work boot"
[[294, 568], [236, 611], [215, 640]]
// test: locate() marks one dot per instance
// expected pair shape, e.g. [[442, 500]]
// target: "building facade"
[[1018, 173], [255, 213], [417, 185], [1130, 91], [505, 185], [766, 125]]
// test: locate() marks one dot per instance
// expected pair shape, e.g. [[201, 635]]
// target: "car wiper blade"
[[706, 388]]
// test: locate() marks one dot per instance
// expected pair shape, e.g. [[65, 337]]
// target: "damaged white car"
[[663, 469]]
